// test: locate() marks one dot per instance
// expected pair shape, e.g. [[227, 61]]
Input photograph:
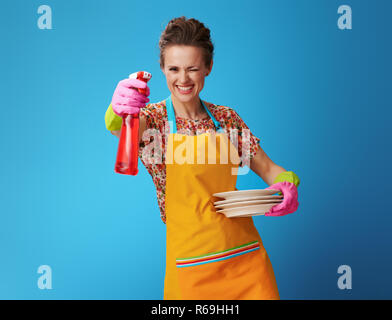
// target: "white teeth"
[[185, 88]]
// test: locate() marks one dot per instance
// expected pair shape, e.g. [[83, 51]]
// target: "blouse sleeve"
[[248, 143], [149, 113], [154, 131]]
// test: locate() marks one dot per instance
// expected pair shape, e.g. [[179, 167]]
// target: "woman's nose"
[[183, 77]]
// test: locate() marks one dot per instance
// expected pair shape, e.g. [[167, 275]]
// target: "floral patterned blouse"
[[156, 118]]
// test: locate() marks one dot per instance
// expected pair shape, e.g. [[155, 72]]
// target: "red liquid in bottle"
[[128, 147]]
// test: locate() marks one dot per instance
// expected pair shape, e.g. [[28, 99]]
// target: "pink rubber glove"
[[290, 199], [127, 99]]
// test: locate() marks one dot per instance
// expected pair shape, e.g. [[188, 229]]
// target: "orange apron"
[[209, 256]]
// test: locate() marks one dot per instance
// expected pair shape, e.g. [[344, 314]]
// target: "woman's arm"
[[264, 167], [116, 133]]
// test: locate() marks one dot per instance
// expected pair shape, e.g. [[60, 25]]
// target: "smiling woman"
[[209, 256]]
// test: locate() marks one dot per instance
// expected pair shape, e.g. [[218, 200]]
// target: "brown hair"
[[183, 31]]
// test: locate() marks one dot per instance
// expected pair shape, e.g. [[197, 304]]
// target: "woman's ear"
[[210, 68]]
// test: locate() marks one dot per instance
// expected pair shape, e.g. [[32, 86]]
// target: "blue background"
[[318, 98]]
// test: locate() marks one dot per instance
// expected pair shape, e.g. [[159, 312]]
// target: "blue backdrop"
[[318, 98]]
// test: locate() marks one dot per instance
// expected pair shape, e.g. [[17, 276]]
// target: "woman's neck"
[[190, 110]]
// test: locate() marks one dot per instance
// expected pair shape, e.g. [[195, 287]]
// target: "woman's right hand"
[[127, 99]]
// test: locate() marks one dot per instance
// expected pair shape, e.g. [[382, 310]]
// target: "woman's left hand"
[[290, 199]]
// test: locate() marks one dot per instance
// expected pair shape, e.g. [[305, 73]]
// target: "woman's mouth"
[[185, 89]]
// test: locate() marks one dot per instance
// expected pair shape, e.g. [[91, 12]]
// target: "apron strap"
[[172, 118]]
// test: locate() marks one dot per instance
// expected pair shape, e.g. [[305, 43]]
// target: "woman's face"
[[185, 71]]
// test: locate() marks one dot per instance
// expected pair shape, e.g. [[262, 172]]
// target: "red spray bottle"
[[128, 147]]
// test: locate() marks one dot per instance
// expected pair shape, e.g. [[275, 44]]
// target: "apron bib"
[[209, 256]]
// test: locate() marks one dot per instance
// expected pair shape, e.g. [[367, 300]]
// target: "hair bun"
[[183, 31]]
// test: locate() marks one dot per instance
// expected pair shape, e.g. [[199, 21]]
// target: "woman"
[[209, 256]]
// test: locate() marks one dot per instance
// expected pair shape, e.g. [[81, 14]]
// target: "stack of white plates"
[[246, 203]]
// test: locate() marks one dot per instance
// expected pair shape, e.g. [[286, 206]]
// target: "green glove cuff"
[[113, 122], [288, 176]]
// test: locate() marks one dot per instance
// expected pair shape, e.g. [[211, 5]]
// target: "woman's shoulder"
[[221, 112], [217, 107], [227, 116]]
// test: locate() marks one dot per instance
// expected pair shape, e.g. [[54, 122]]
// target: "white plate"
[[247, 211], [248, 199], [242, 193], [246, 203]]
